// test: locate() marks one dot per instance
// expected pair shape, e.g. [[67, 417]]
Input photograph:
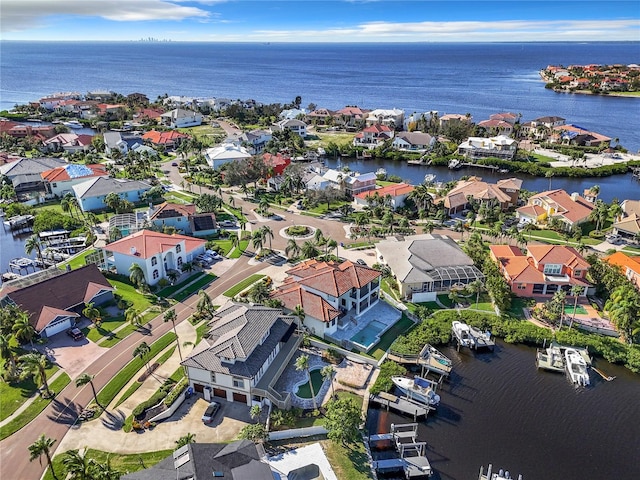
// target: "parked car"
[[75, 333], [213, 255], [361, 262], [227, 223], [210, 412], [174, 164]]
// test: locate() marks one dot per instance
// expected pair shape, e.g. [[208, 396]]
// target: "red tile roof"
[[557, 254], [393, 190], [292, 295], [163, 138], [333, 278], [147, 243], [623, 260], [60, 174]]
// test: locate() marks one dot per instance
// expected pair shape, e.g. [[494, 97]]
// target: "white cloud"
[[25, 14]]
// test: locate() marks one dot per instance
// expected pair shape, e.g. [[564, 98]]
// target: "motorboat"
[[73, 124], [550, 358], [462, 332], [429, 178], [381, 172], [455, 164], [499, 475], [576, 367], [433, 360], [418, 389]]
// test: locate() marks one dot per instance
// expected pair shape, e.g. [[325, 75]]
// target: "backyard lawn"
[[517, 304], [78, 261], [389, 336], [128, 292]]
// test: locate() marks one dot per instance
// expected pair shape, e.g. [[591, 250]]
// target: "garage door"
[[198, 387], [239, 397], [220, 393], [57, 326]]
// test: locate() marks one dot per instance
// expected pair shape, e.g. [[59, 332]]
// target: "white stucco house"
[[499, 146], [295, 125], [156, 253], [225, 153], [240, 357], [391, 117], [181, 118], [60, 180]]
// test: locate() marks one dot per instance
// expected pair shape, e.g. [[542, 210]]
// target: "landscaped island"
[[595, 79]]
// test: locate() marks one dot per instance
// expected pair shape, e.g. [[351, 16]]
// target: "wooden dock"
[[476, 340], [427, 359], [402, 405], [411, 453]]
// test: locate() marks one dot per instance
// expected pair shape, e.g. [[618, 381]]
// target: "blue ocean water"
[[451, 78]]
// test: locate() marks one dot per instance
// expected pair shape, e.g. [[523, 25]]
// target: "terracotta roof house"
[[413, 141], [25, 173], [320, 116], [575, 135], [54, 304], [184, 219], [60, 180], [505, 192], [373, 136], [425, 265], [494, 126], [544, 270], [240, 357], [276, 162], [156, 253], [397, 193], [148, 114], [630, 266], [352, 117], [569, 209], [169, 140], [239, 460], [508, 117], [181, 118], [91, 193], [329, 292], [68, 142], [500, 146]]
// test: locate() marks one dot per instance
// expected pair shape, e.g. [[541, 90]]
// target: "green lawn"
[[201, 331], [580, 310], [349, 462], [321, 208], [389, 336], [551, 236], [240, 286], [117, 383], [225, 246], [195, 286], [517, 304], [484, 303], [127, 291], [446, 301], [34, 409], [236, 212], [78, 261], [237, 252], [15, 394], [105, 329], [170, 290], [385, 285]]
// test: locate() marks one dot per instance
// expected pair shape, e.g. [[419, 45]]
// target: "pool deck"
[[291, 377], [381, 311]]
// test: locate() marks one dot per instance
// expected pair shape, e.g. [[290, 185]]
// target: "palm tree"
[[235, 241], [40, 447], [309, 249], [84, 379], [33, 243], [92, 313], [428, 227], [293, 249], [257, 239], [476, 287], [318, 236], [66, 206], [170, 316], [142, 351], [204, 303], [6, 353], [104, 471], [186, 440], [255, 412], [136, 275], [23, 330], [549, 174], [36, 364], [77, 465], [299, 312], [330, 245], [267, 233], [576, 291], [302, 363], [615, 210], [327, 373]]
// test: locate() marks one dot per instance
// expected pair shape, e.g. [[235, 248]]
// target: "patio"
[[291, 378], [381, 312]]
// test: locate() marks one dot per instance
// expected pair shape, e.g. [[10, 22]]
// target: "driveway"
[[73, 356]]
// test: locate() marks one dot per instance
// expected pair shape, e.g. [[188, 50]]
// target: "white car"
[[212, 254]]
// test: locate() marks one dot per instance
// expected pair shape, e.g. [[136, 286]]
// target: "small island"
[[616, 80]]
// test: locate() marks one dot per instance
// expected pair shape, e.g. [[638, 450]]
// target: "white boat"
[[499, 475], [418, 389], [73, 124], [429, 178], [462, 331], [381, 171], [550, 358], [454, 164], [576, 367], [434, 361]]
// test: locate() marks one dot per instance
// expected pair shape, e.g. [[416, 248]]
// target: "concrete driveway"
[[73, 356]]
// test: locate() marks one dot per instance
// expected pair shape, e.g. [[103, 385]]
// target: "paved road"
[[61, 414]]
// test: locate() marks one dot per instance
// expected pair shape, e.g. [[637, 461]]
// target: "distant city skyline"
[[321, 21]]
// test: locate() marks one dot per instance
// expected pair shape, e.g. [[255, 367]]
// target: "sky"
[[321, 21]]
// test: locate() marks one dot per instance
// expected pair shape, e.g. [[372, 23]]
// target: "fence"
[[297, 433], [348, 354]]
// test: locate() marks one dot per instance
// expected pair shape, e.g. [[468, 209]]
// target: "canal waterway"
[[498, 408], [616, 186], [12, 246]]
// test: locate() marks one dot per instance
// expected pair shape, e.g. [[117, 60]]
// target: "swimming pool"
[[369, 335]]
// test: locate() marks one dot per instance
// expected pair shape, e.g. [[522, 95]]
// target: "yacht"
[[73, 124], [576, 367], [418, 389], [462, 331]]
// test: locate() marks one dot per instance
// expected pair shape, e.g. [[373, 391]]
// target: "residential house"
[[630, 266], [628, 227], [20, 130], [351, 117], [425, 265], [505, 193], [55, 303], [395, 194], [496, 127], [91, 193], [68, 142], [137, 98], [25, 174], [225, 153], [239, 460], [575, 135], [101, 95], [544, 270], [413, 141], [276, 163], [569, 209], [373, 136], [147, 114], [509, 117], [321, 116], [501, 147], [630, 207], [329, 291], [393, 118], [181, 118], [257, 139], [183, 218], [156, 253], [60, 180], [351, 183], [243, 354], [541, 127], [167, 140], [292, 113], [110, 112], [295, 125], [451, 118]]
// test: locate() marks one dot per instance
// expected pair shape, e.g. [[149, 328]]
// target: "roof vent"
[[133, 251]]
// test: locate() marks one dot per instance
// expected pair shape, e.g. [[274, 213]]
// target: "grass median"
[[195, 286], [34, 409], [240, 286], [117, 383]]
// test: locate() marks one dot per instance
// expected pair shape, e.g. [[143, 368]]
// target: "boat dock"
[[20, 223], [402, 405], [499, 475], [19, 264], [412, 458], [477, 339], [550, 358], [427, 361]]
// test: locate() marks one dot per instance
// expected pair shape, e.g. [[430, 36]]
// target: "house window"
[[178, 248], [213, 377], [552, 288], [577, 273], [154, 261], [238, 382], [538, 288], [552, 269], [156, 274], [522, 286], [179, 261]]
